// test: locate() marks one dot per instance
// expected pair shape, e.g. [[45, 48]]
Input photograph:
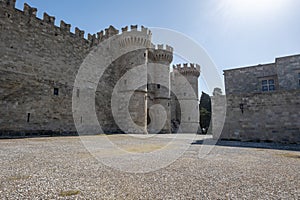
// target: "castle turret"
[[185, 109], [135, 38], [134, 44], [158, 70], [161, 54]]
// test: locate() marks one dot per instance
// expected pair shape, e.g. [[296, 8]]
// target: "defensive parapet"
[[48, 19], [28, 10], [8, 3], [64, 26], [102, 35], [187, 69], [135, 37], [79, 33], [161, 53]]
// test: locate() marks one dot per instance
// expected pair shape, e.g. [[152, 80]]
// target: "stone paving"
[[63, 168]]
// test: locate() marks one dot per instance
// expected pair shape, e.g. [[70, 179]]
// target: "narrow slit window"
[[299, 78], [56, 91], [78, 93], [28, 117]]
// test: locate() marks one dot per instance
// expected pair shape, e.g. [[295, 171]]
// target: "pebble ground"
[[62, 168]]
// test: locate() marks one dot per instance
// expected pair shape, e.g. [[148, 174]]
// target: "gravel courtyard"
[[63, 168]]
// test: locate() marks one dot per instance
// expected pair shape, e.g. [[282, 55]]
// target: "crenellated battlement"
[[95, 39], [79, 33], [135, 37], [134, 28], [48, 19], [162, 47], [41, 58], [8, 3], [161, 53], [28, 10], [64, 26], [129, 36], [185, 69]]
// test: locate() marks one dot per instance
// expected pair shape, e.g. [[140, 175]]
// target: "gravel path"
[[62, 168]]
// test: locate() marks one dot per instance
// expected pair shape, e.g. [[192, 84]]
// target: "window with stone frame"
[[268, 85]]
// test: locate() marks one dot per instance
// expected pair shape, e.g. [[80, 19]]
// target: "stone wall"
[[288, 69], [39, 62], [254, 115], [23, 95], [35, 58], [247, 80], [265, 117], [218, 105], [284, 71], [184, 83]]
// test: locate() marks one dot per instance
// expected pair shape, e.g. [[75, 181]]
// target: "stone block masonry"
[[39, 62], [269, 117], [36, 58], [263, 103]]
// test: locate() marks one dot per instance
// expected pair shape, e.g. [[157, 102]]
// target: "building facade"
[[262, 103], [39, 62]]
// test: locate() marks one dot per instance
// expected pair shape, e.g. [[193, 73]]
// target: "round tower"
[[158, 93], [134, 43], [185, 109]]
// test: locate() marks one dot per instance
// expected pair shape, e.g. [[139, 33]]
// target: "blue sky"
[[234, 33]]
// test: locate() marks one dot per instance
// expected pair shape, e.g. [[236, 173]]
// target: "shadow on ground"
[[260, 145]]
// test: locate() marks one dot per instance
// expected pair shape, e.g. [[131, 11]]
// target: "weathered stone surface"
[[254, 115], [39, 63]]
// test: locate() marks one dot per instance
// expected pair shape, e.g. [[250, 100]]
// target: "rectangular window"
[[299, 79], [158, 86], [55, 91], [268, 85], [78, 91]]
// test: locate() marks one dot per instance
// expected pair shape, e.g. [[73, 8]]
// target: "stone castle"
[[262, 103], [39, 63]]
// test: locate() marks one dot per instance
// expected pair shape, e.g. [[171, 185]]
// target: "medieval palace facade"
[[39, 63]]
